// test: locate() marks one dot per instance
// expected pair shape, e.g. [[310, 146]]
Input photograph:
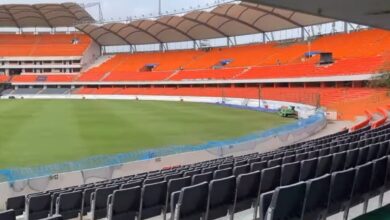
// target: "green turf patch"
[[37, 132]]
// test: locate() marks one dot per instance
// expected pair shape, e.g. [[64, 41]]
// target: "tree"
[[382, 80]]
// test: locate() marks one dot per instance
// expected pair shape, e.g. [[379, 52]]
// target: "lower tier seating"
[[303, 95], [307, 180]]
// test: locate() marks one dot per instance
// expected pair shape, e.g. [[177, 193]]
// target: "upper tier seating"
[[3, 78], [271, 60], [60, 77], [43, 45], [322, 177]]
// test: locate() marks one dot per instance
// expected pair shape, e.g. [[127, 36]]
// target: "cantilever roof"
[[43, 15], [226, 20], [375, 13]]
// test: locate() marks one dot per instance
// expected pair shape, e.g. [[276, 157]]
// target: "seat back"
[[175, 185], [258, 166], [308, 169], [69, 204], [173, 176], [192, 202], [275, 162], [237, 170], [301, 156], [362, 157], [270, 179], [288, 159], [209, 169], [362, 181], [290, 173], [324, 165], [203, 177], [8, 215], [338, 161], [153, 198], [222, 173], [287, 202], [373, 151], [38, 206], [379, 174], [132, 184], [317, 196], [221, 197], [351, 159], [247, 190], [99, 203], [264, 203], [340, 190], [87, 194], [125, 204], [174, 201], [192, 172], [17, 203], [153, 180]]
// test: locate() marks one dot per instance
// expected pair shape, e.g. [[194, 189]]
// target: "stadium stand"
[[12, 45], [328, 95], [271, 60], [341, 160]]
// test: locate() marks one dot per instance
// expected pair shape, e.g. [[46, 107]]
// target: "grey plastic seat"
[[153, 198], [275, 162], [340, 191], [258, 166], [174, 185], [317, 196], [308, 169], [38, 206], [287, 202], [69, 204], [264, 203], [338, 161], [192, 202], [8, 215], [17, 203], [124, 204], [238, 170], [99, 201], [222, 173], [351, 159], [290, 173], [221, 197], [131, 184], [361, 186], [247, 189], [203, 177], [324, 165], [378, 181]]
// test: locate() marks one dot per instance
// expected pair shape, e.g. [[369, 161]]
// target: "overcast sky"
[[122, 9]]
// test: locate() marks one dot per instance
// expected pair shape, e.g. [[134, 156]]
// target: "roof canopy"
[[225, 20], [375, 13], [43, 15]]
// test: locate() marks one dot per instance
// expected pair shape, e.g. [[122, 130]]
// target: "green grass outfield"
[[37, 132]]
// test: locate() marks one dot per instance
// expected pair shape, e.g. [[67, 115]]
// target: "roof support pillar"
[[345, 27], [229, 42]]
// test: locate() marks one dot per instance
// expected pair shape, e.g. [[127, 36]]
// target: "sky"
[[123, 9]]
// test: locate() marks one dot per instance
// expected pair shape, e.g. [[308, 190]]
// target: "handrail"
[[363, 123], [381, 121]]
